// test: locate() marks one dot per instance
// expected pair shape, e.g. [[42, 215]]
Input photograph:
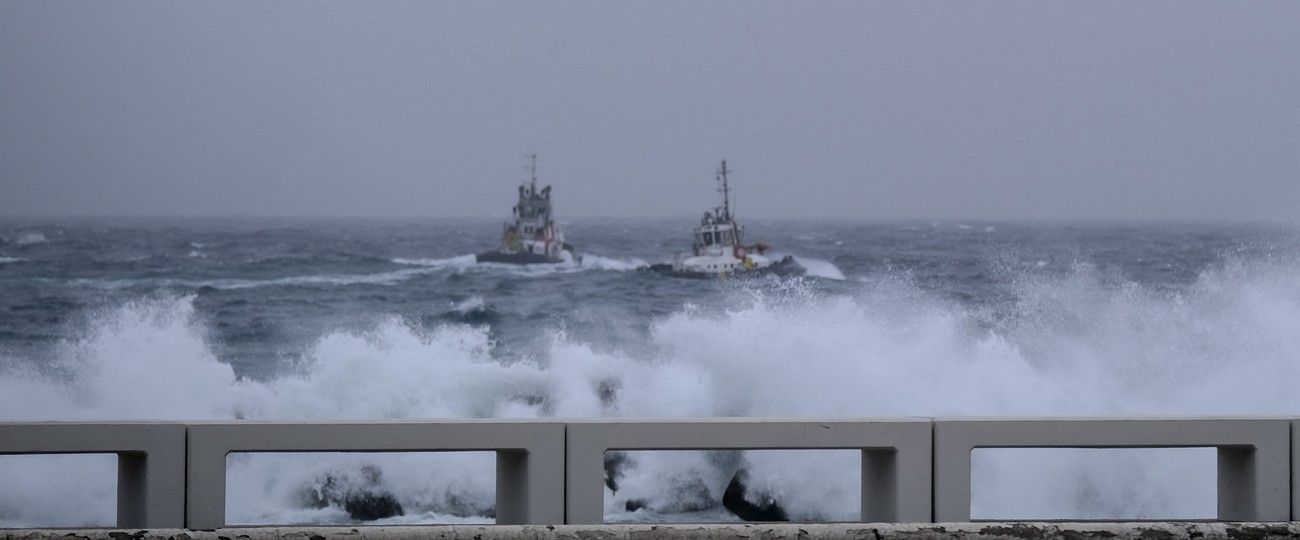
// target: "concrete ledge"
[[753, 531]]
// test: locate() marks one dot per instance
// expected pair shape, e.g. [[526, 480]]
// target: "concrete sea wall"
[[864, 531]]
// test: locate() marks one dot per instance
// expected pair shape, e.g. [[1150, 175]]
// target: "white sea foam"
[[11, 260], [420, 267], [461, 261], [469, 263], [588, 262], [821, 268], [597, 262], [377, 278], [473, 303], [1079, 344], [450, 487], [90, 481], [28, 238]]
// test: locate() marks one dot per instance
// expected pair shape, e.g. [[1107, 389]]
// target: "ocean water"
[[294, 319]]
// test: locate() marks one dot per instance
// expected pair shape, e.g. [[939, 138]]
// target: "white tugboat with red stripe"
[[719, 249]]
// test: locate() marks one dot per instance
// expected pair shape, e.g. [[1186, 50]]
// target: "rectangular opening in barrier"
[[289, 488], [60, 490], [1093, 484], [712, 486]]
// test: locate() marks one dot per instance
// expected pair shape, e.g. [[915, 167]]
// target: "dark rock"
[[369, 506], [733, 499], [363, 500]]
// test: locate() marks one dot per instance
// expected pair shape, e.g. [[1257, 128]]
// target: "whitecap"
[[470, 262], [28, 238], [473, 303], [820, 268], [460, 261], [596, 262], [377, 278]]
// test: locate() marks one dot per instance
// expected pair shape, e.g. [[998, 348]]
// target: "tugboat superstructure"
[[533, 237], [719, 249]]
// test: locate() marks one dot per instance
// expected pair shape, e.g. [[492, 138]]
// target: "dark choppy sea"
[[182, 319]]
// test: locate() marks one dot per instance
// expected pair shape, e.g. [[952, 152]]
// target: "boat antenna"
[[532, 170], [726, 193]]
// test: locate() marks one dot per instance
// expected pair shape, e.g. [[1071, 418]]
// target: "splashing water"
[[1072, 346], [1049, 339]]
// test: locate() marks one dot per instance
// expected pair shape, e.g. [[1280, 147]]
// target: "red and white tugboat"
[[533, 237], [719, 249]]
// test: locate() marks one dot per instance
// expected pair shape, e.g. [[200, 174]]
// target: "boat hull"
[[516, 258], [783, 268]]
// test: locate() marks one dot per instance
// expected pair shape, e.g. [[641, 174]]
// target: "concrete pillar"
[[879, 502]]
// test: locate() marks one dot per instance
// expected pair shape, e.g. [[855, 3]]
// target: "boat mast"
[[532, 171], [726, 193]]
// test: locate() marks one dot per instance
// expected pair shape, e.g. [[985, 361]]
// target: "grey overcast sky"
[[871, 110]]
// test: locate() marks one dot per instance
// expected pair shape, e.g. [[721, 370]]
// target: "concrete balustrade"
[[551, 471], [895, 455], [1253, 455], [150, 462], [530, 457]]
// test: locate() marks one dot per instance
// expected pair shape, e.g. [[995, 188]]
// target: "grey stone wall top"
[[865, 531]]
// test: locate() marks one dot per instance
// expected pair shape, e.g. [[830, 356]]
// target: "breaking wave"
[[821, 268], [605, 263], [470, 263], [458, 262], [469, 305], [420, 267], [29, 238], [1083, 343], [376, 278]]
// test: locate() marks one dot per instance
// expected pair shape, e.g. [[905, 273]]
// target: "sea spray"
[[1080, 343], [821, 268]]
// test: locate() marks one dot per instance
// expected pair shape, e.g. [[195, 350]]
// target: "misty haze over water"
[[994, 110], [270, 211]]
